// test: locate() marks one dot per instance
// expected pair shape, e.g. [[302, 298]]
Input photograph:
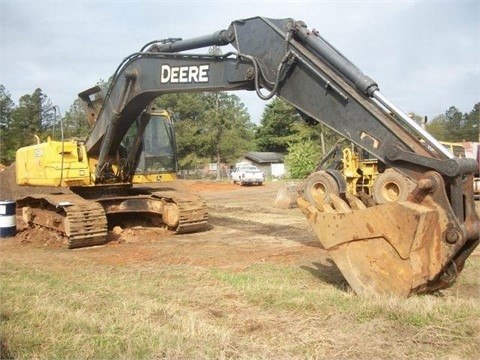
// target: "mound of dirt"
[[287, 196], [8, 187]]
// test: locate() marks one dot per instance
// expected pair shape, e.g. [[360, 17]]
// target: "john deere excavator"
[[397, 248], [145, 156]]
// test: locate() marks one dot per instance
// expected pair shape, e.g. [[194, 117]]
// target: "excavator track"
[[180, 211], [83, 222], [192, 210]]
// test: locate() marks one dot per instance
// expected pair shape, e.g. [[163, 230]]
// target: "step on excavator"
[[398, 248]]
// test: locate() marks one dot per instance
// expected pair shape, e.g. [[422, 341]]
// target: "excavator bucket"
[[396, 248]]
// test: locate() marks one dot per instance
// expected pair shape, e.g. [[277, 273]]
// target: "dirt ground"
[[244, 228]]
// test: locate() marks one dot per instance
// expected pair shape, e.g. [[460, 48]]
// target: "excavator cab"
[[157, 155]]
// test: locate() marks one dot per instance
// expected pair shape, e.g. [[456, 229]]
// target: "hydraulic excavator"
[[135, 183], [399, 248]]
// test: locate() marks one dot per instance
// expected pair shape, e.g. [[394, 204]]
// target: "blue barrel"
[[8, 218]]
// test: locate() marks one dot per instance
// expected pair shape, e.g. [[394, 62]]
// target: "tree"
[[277, 128], [209, 127], [34, 115], [226, 125], [75, 124], [453, 124], [436, 127], [281, 126], [187, 110], [462, 127], [472, 124], [456, 126], [302, 158], [7, 151], [283, 130]]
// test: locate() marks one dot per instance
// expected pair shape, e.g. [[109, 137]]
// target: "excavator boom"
[[395, 248]]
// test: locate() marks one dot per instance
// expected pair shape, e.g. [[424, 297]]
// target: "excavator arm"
[[144, 77], [412, 244]]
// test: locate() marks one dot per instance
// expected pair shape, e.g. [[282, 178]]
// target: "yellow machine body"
[[53, 163]]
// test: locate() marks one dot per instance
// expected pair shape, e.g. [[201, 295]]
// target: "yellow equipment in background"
[[360, 173], [66, 164]]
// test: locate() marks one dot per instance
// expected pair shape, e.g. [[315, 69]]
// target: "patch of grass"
[[145, 311], [444, 322], [282, 287], [115, 314]]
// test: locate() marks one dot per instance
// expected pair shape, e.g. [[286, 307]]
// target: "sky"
[[425, 55]]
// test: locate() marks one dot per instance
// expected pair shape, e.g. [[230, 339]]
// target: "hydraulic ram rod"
[[429, 139], [218, 38], [363, 83]]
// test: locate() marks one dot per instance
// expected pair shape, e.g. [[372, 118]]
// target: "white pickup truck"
[[247, 175]]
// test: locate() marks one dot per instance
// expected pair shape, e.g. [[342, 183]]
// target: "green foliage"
[[302, 158], [453, 124], [75, 124], [209, 127], [7, 150], [34, 115], [283, 130], [436, 127], [227, 131], [472, 124], [277, 128], [282, 126], [456, 126]]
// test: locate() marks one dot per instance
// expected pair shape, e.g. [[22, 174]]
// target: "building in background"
[[271, 163]]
